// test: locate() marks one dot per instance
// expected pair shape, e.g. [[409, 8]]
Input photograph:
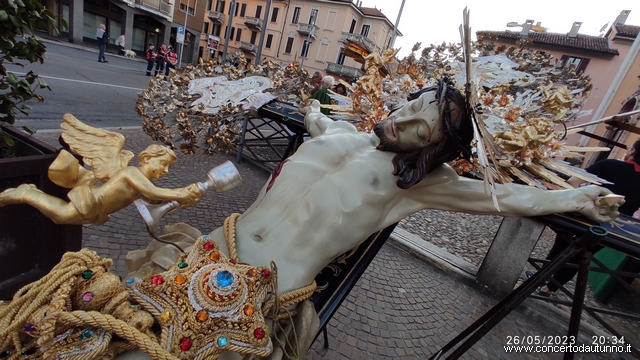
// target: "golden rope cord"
[[287, 299], [118, 327], [37, 294]]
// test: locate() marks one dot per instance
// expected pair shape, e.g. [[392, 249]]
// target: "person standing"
[[172, 60], [316, 80], [161, 58], [120, 43], [151, 58], [102, 37]]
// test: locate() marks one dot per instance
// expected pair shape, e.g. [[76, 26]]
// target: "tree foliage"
[[18, 45]]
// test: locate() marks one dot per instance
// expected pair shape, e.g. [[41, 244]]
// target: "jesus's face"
[[414, 126]]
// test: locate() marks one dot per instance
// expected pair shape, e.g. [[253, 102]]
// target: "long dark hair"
[[412, 166], [636, 156]]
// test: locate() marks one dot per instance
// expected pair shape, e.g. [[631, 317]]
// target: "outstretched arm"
[[186, 196], [443, 189], [318, 123]]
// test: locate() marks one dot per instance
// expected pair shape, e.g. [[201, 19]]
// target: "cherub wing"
[[471, 97], [100, 149]]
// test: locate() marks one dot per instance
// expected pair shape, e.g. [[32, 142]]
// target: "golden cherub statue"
[[92, 202]]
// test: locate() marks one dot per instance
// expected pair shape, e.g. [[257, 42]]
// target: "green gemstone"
[[87, 274], [182, 265]]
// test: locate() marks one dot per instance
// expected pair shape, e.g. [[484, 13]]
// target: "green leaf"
[[8, 140], [29, 130]]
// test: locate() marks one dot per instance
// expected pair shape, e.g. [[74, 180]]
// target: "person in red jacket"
[[161, 58], [172, 60], [151, 58]]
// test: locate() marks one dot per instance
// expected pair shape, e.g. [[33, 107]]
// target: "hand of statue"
[[192, 196], [589, 207], [314, 107]]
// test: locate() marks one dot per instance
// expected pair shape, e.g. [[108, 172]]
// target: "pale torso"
[[329, 196]]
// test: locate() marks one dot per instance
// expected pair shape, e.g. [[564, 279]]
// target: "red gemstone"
[[259, 333], [234, 261], [265, 273], [185, 343], [209, 245], [157, 280]]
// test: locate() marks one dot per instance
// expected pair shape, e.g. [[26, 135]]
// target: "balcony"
[[308, 29], [343, 70], [253, 22], [248, 47], [155, 6], [216, 16], [358, 39]]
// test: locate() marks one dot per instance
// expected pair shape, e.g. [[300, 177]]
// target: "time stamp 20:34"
[[561, 340]]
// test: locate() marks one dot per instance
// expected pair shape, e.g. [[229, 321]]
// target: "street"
[[99, 94]]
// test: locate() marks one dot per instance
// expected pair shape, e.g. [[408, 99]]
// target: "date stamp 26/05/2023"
[[564, 343]]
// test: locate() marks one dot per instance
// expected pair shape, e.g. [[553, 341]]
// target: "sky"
[[429, 21]]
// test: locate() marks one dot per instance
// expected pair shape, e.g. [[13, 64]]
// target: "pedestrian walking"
[[102, 37], [161, 58], [151, 58], [172, 60], [120, 43]]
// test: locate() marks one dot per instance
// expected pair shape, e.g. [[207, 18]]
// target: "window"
[[353, 26], [341, 57], [243, 10], [216, 30], [330, 23], [254, 34], [239, 34], [220, 6], [296, 15], [313, 16], [235, 12], [258, 11], [305, 48], [365, 30], [205, 27], [287, 49], [322, 50], [190, 11], [209, 3], [274, 14], [579, 63], [269, 41], [233, 31], [231, 10]]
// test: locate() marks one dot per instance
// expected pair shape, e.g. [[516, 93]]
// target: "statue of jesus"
[[342, 185]]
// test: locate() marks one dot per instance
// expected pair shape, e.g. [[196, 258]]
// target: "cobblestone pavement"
[[401, 308]]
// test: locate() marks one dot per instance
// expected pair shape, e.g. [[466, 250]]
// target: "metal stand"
[[483, 325]]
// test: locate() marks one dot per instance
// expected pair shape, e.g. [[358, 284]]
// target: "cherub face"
[[414, 126], [158, 166]]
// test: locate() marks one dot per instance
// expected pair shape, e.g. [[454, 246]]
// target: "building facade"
[[307, 31], [602, 58]]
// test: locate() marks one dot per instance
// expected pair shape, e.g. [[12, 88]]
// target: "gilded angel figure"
[[109, 186]]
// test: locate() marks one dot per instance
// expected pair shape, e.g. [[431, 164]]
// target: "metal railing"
[[254, 22], [343, 70], [308, 29], [159, 5], [358, 39], [245, 46], [216, 16]]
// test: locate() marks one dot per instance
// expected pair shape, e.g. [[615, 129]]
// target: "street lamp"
[[314, 13], [186, 16]]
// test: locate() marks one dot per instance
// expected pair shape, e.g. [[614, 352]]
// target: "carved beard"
[[385, 143]]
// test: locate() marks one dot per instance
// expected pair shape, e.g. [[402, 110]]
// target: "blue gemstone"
[[130, 280], [222, 341], [205, 238], [224, 278], [86, 334]]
